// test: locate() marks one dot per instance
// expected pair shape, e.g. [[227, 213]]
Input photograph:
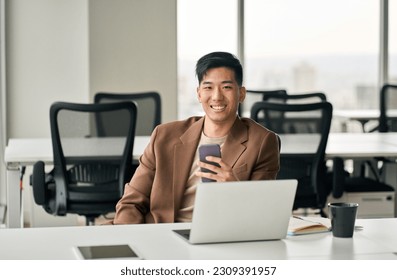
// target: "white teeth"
[[217, 107]]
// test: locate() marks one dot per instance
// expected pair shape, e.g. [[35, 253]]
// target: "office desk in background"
[[362, 116], [26, 152], [376, 240], [344, 145]]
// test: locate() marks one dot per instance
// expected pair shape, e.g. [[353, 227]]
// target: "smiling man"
[[163, 187]]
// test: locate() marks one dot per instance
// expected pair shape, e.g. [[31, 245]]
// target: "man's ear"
[[198, 94], [243, 93]]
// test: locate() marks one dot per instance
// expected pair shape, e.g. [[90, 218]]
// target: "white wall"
[[69, 49], [47, 60], [133, 48]]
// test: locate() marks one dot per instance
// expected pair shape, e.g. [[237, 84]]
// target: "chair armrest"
[[38, 183], [339, 175]]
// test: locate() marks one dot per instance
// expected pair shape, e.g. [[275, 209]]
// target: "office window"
[[3, 129], [301, 46], [203, 26], [309, 45], [393, 42]]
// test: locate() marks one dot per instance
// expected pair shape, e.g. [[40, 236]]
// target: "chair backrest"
[[268, 94], [90, 169], [308, 169], [297, 98], [303, 122], [149, 110], [388, 98], [264, 95]]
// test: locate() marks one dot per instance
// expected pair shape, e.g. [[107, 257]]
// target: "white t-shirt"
[[185, 212]]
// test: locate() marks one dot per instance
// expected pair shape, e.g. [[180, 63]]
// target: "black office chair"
[[309, 169], [343, 181], [148, 116], [303, 98], [265, 95], [149, 109], [368, 178], [297, 98], [89, 170], [388, 98]]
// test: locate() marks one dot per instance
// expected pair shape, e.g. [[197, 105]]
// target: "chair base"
[[90, 220]]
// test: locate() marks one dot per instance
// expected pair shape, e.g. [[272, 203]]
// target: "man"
[[163, 187]]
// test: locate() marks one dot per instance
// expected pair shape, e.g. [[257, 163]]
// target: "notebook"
[[241, 211]]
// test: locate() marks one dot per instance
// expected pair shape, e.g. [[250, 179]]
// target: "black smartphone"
[[209, 150]]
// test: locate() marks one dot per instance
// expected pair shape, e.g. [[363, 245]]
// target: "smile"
[[218, 107]]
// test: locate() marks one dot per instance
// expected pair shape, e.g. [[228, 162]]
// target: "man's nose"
[[217, 94]]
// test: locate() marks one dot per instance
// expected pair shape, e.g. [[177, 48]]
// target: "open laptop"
[[241, 211]]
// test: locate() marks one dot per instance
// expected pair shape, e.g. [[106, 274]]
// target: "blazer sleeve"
[[134, 206], [267, 163]]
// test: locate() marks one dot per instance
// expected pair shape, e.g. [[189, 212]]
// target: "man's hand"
[[222, 174]]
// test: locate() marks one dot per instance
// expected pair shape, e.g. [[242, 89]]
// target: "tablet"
[[122, 251]]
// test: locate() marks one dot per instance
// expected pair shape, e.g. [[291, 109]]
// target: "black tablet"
[[107, 252]]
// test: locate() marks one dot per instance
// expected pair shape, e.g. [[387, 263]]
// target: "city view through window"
[[301, 46]]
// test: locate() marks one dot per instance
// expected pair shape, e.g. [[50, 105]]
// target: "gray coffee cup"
[[343, 218]]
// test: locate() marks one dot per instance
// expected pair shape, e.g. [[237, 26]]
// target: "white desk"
[[377, 240], [362, 116], [346, 145], [362, 145], [26, 151]]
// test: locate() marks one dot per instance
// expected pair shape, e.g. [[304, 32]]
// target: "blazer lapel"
[[235, 143], [184, 153]]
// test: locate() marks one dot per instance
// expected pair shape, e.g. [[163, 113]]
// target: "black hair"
[[219, 59]]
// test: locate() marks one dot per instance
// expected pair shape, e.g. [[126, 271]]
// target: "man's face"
[[219, 95]]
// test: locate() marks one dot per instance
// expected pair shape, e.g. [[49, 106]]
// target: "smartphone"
[[107, 252], [209, 150]]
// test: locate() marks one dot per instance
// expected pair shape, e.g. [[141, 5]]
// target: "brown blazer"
[[155, 192]]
